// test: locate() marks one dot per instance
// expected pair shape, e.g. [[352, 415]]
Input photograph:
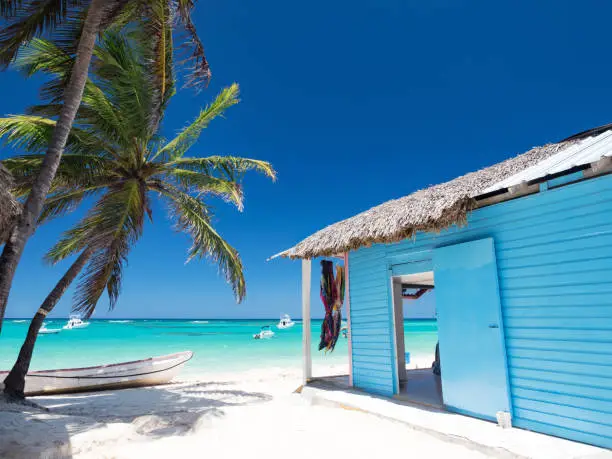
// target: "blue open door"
[[470, 329]]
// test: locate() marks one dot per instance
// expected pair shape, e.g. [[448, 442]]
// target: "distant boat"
[[75, 322], [285, 322], [265, 333], [48, 331], [147, 372]]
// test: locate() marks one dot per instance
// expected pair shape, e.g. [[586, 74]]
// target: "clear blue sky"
[[354, 103]]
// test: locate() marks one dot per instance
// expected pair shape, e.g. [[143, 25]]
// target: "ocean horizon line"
[[196, 318]]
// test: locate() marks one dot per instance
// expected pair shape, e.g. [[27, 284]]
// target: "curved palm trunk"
[[14, 383], [72, 99]]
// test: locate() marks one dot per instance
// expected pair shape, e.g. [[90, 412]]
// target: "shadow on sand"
[[151, 412]]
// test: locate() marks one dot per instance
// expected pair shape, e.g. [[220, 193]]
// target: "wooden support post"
[[306, 333]]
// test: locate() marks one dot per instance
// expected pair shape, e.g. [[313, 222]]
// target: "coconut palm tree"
[[76, 24], [116, 158]]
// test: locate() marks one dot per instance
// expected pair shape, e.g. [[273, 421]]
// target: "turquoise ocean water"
[[218, 345]]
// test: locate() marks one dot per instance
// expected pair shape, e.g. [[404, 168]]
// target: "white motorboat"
[[48, 331], [75, 322], [147, 372], [265, 333], [285, 322]]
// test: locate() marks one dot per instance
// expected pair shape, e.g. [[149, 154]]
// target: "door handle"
[[493, 326]]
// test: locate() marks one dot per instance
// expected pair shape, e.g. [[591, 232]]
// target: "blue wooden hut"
[[520, 257]]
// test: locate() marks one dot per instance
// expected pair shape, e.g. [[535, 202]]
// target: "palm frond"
[[118, 213], [60, 19], [30, 19], [192, 217], [99, 113], [121, 76], [63, 202], [177, 147], [207, 184], [33, 133], [76, 171], [46, 56], [196, 60], [41, 55], [155, 36], [118, 13], [119, 220], [231, 167], [103, 272]]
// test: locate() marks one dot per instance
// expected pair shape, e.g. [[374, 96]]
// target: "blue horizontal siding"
[[371, 322], [554, 257], [585, 348]]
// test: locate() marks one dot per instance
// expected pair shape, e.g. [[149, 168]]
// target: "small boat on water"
[[75, 322], [147, 372], [48, 331], [285, 322], [265, 333]]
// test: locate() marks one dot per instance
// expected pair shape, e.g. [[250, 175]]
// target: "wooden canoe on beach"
[[147, 372]]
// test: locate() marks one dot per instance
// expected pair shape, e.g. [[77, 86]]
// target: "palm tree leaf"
[[100, 114], [196, 60], [207, 184], [103, 272], [118, 213], [177, 147], [41, 55], [60, 19], [27, 20], [118, 219], [76, 171], [122, 78], [231, 167], [63, 202], [192, 217], [32, 133], [116, 102], [155, 33]]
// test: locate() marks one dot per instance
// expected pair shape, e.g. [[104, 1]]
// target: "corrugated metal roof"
[[584, 151]]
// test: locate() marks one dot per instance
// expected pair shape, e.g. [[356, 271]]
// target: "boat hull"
[[147, 372], [74, 327], [49, 331]]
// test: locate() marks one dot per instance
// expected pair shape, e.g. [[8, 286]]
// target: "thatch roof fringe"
[[431, 209]]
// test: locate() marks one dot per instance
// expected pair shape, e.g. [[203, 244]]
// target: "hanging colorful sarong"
[[332, 296], [337, 309]]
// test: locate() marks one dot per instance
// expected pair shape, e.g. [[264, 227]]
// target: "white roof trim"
[[584, 151]]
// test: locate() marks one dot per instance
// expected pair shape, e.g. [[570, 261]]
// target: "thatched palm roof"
[[9, 207], [430, 209]]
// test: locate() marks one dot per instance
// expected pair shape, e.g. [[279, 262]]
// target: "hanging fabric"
[[337, 311], [332, 296]]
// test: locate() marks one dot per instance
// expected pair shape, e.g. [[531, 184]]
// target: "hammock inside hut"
[[332, 296]]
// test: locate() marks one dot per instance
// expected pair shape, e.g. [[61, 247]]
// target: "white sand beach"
[[247, 414]]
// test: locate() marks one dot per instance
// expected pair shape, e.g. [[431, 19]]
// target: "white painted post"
[[347, 302], [306, 334]]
